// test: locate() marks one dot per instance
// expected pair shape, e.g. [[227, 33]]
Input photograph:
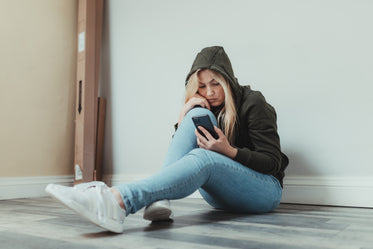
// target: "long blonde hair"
[[227, 117]]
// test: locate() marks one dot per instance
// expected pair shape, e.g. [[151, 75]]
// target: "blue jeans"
[[222, 182]]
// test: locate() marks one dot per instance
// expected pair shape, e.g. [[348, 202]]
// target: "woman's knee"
[[206, 159], [197, 111], [201, 154]]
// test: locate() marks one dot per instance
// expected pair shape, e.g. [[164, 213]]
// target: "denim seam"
[[182, 184], [185, 182], [249, 174], [262, 178]]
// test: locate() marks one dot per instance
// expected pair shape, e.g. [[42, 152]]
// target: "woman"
[[241, 171]]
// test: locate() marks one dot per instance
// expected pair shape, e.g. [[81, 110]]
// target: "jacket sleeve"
[[264, 156]]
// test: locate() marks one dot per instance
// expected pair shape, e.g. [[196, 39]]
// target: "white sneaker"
[[93, 201], [158, 211]]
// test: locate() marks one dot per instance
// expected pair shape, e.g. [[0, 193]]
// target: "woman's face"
[[210, 89]]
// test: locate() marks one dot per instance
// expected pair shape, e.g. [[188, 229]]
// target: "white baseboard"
[[336, 191], [27, 187]]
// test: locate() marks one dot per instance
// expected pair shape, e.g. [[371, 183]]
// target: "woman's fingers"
[[207, 104], [219, 132], [199, 100], [199, 143], [198, 135], [201, 140], [207, 134], [220, 145]]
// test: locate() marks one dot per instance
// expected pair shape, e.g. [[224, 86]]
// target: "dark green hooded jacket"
[[256, 137]]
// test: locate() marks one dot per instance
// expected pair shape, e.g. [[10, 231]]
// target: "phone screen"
[[205, 122]]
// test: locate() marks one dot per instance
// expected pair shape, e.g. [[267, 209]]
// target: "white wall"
[[311, 59]]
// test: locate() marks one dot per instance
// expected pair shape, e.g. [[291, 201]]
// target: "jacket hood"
[[215, 58]]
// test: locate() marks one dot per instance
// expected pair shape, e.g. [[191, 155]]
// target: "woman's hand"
[[220, 145], [191, 103]]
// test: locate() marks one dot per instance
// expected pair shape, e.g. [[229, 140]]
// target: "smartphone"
[[205, 122]]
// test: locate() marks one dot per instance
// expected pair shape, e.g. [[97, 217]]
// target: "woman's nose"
[[210, 91]]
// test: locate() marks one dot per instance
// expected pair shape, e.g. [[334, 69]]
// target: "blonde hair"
[[227, 117]]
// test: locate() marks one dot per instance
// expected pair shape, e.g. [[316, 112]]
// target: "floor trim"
[[27, 187], [335, 191]]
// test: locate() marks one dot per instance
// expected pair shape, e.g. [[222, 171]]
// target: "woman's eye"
[[201, 86], [216, 84]]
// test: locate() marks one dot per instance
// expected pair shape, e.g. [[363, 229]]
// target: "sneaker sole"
[[162, 214], [80, 210]]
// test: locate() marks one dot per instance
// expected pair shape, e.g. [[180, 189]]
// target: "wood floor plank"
[[44, 223]]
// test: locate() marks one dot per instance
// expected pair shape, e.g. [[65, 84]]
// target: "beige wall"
[[37, 94]]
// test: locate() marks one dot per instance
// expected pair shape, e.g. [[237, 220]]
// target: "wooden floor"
[[43, 223]]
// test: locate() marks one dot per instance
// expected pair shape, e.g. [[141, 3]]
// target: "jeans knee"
[[197, 111], [206, 156], [199, 152]]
